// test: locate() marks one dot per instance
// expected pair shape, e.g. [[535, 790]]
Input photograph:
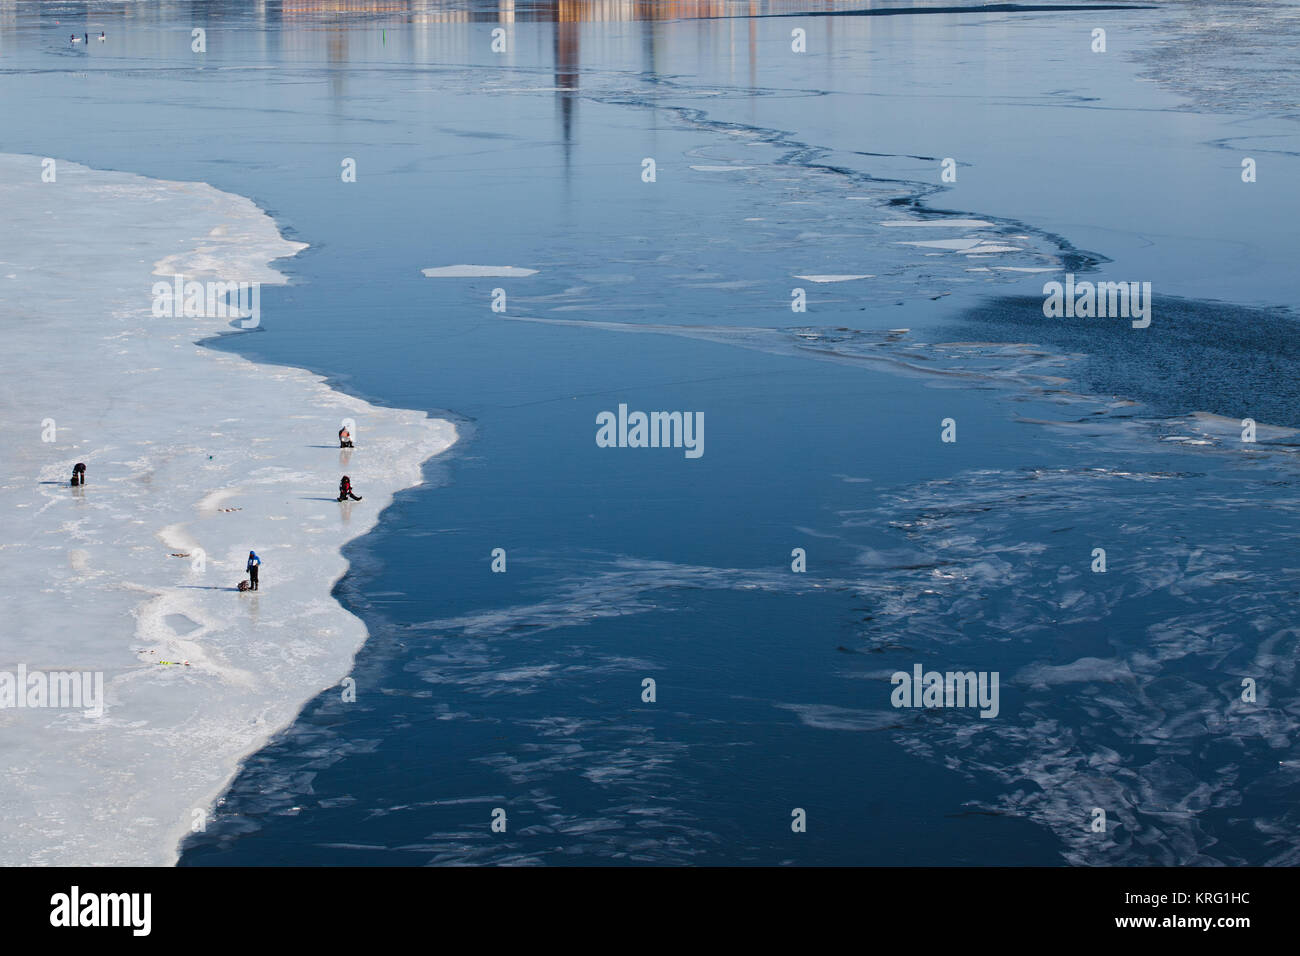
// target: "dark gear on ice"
[[345, 489]]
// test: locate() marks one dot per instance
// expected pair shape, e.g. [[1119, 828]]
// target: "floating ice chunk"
[[928, 223], [1223, 427], [959, 245], [835, 278], [1082, 671], [830, 717], [477, 272], [968, 245]]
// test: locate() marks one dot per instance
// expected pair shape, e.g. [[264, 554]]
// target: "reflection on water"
[[566, 82], [566, 11], [290, 13]]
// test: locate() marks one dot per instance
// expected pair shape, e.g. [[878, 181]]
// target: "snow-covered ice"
[[187, 449]]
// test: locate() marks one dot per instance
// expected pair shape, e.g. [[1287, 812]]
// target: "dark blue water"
[[523, 690]]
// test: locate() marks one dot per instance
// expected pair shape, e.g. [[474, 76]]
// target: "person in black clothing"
[[253, 562], [345, 437], [345, 489], [79, 473]]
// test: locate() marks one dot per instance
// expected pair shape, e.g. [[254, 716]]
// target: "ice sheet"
[[186, 448]]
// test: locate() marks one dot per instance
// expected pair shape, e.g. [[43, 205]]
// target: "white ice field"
[[186, 448]]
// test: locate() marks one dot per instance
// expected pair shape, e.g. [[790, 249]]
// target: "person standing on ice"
[[79, 473], [253, 563], [345, 489], [345, 437]]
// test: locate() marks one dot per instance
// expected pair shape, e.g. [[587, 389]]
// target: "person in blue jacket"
[[253, 563]]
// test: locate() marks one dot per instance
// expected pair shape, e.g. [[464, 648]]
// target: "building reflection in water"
[[340, 19], [565, 16], [566, 74], [554, 11]]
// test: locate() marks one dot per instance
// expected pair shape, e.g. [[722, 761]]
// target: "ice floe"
[[194, 457], [477, 272]]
